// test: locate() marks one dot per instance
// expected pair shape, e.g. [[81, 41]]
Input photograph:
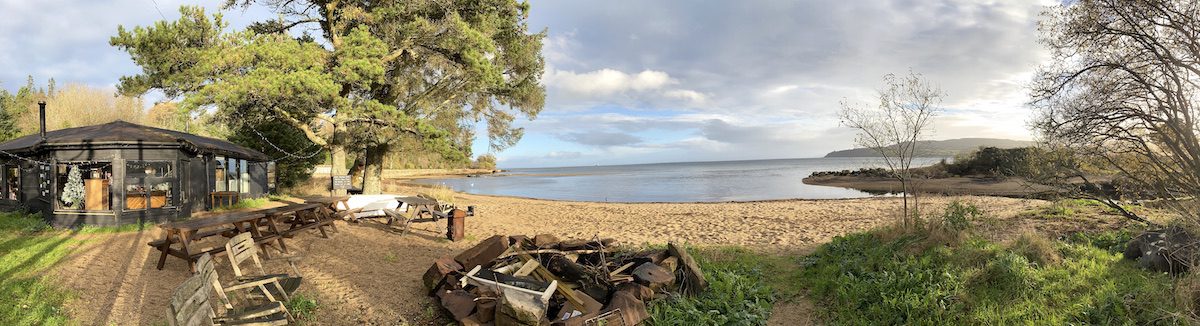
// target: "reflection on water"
[[672, 182]]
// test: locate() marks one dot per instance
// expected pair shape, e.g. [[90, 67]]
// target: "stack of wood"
[[541, 280]]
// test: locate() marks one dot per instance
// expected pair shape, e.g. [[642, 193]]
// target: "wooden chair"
[[191, 303], [241, 248]]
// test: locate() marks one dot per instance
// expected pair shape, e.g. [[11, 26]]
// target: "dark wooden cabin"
[[128, 173]]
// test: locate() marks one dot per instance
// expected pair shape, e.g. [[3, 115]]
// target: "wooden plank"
[[546, 275], [693, 282]]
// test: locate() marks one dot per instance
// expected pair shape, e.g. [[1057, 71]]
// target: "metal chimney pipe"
[[42, 118]]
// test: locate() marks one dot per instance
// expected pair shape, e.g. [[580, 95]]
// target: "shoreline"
[[407, 183], [951, 186]]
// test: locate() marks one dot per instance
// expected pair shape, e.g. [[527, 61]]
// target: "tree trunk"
[[373, 177], [904, 198], [337, 165]]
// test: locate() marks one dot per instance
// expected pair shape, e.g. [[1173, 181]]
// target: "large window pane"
[[245, 176], [220, 175], [149, 184], [12, 182], [83, 186]]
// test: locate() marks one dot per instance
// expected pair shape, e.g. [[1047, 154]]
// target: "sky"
[[663, 81]]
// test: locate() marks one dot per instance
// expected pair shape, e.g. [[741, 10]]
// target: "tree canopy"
[[376, 72], [1123, 87]]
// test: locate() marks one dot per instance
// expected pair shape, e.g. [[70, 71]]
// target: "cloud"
[[601, 138], [569, 89]]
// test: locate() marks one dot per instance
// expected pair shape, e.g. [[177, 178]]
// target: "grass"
[[28, 249], [245, 204], [441, 193], [743, 286], [302, 307], [877, 277]]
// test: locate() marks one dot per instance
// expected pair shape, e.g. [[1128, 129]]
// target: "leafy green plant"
[[302, 307], [739, 292], [864, 279]]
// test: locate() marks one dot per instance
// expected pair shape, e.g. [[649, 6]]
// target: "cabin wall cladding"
[[129, 174]]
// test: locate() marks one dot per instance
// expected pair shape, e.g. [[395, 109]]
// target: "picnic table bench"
[[299, 216], [421, 205]]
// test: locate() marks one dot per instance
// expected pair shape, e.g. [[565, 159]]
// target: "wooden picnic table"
[[186, 232], [300, 216], [330, 201], [421, 205]]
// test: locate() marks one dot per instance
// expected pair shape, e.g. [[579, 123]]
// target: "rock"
[[654, 276], [641, 292], [1171, 250], [483, 253], [633, 310], [438, 272], [459, 303]]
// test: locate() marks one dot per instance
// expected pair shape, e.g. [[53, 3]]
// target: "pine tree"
[[72, 193]]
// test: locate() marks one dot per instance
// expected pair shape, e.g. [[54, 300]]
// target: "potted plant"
[[158, 195], [135, 197]]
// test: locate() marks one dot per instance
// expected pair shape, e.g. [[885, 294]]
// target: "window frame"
[[148, 182], [56, 193]]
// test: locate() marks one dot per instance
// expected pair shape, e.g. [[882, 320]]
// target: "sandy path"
[[366, 274]]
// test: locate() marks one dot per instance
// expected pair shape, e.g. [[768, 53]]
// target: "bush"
[[863, 278], [301, 307], [997, 162], [739, 293]]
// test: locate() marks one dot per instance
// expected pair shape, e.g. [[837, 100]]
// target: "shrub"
[[864, 279], [302, 307], [738, 293]]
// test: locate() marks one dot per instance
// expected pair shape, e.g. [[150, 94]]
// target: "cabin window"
[[245, 176], [83, 186], [231, 166], [11, 189], [149, 184], [271, 179], [219, 175]]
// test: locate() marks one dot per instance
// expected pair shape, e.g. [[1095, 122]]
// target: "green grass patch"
[[866, 278], [743, 286], [245, 204], [302, 307], [135, 227], [29, 248]]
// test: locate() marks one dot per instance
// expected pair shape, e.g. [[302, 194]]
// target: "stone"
[[483, 253], [438, 272], [633, 310], [654, 276], [459, 303], [1171, 250]]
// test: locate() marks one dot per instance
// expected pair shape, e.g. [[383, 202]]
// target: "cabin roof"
[[125, 133]]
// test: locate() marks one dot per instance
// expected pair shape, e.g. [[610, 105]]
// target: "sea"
[[671, 182]]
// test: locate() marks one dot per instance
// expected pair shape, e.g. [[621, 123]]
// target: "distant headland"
[[941, 148]]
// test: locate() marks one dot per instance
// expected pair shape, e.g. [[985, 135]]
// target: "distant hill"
[[941, 148]]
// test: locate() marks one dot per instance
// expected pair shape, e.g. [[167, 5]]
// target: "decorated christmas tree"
[[72, 194]]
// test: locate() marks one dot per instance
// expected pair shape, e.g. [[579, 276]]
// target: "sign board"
[[341, 182]]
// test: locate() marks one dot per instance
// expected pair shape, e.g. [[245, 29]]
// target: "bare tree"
[[1123, 88], [896, 126]]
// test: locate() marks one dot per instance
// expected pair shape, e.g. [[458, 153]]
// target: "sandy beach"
[[368, 274]]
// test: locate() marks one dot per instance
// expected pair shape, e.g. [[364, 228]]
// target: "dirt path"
[[368, 275]]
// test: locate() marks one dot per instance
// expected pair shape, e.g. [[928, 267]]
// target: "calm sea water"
[[671, 182]]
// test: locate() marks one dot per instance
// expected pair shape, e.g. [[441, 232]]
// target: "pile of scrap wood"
[[518, 280]]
